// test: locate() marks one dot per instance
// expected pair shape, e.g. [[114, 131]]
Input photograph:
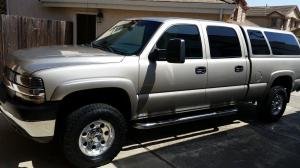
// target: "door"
[[227, 65], [172, 88], [86, 28]]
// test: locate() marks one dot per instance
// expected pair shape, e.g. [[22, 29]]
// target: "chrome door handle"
[[239, 68], [200, 70]]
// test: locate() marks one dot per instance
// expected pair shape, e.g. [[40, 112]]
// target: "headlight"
[[26, 81], [25, 87]]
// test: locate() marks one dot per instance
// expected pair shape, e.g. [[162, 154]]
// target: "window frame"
[[250, 44], [237, 34], [200, 36]]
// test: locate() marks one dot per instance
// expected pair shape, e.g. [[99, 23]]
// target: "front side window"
[[127, 37], [189, 33], [258, 43], [223, 42], [283, 44]]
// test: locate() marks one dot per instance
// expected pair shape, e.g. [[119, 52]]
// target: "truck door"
[[167, 88], [227, 64]]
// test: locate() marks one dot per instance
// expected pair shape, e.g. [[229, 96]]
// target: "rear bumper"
[[34, 121]]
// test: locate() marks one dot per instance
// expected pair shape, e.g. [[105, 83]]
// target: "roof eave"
[[143, 6]]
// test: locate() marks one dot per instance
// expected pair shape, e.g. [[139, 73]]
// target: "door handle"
[[200, 70], [239, 68]]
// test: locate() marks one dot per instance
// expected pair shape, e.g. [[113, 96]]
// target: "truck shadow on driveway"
[[235, 141]]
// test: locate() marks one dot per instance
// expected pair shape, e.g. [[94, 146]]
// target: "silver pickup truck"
[[146, 73]]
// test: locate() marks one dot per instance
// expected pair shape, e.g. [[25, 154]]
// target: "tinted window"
[[223, 42], [283, 44], [258, 43], [189, 33]]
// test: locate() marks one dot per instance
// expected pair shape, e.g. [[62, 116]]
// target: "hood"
[[35, 59]]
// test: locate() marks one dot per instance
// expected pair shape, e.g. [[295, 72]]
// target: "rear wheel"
[[94, 135], [272, 108]]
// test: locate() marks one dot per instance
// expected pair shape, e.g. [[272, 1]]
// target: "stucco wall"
[[261, 21], [33, 8], [112, 16]]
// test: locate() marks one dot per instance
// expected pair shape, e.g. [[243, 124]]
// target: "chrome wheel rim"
[[96, 138], [277, 104]]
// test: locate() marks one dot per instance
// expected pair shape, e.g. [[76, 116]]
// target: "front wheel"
[[272, 108], [94, 135]]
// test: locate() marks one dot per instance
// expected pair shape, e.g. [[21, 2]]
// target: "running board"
[[162, 123]]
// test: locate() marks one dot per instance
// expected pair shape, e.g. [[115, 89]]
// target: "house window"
[[273, 22]]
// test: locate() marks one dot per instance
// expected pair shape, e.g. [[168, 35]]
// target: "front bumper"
[[34, 120]]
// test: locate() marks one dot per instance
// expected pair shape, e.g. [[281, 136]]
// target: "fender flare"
[[69, 87], [278, 74]]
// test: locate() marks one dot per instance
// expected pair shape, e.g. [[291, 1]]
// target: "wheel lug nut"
[[106, 133], [102, 142], [102, 125], [94, 147], [92, 125], [85, 144]]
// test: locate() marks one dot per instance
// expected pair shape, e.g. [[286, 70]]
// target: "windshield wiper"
[[107, 48], [118, 51], [103, 47]]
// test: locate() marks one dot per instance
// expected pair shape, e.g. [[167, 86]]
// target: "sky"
[[273, 2]]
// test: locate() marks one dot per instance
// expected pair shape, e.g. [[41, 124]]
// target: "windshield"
[[127, 37]]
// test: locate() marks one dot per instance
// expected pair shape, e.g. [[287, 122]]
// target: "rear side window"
[[223, 42], [189, 33], [258, 43], [283, 44]]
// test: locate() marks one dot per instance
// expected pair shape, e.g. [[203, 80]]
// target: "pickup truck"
[[146, 73]]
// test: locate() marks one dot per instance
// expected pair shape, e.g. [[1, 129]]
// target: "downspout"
[[221, 14]]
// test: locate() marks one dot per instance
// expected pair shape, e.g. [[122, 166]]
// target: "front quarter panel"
[[60, 82]]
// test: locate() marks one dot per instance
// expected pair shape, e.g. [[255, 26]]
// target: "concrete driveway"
[[236, 141]]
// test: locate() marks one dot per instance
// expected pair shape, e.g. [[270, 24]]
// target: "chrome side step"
[[162, 123]]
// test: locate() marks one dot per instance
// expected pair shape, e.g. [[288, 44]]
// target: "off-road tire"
[[80, 118], [265, 106]]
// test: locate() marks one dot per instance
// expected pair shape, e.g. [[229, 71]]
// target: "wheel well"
[[285, 81], [115, 97]]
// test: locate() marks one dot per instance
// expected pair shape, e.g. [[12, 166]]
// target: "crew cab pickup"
[[146, 73]]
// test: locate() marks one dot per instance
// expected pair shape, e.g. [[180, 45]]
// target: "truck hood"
[[35, 59]]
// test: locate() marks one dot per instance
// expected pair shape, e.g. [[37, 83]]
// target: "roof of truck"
[[165, 19]]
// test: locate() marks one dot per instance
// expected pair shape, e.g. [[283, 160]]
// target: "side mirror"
[[176, 51]]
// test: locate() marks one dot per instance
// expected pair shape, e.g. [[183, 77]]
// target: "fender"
[[69, 87], [280, 73]]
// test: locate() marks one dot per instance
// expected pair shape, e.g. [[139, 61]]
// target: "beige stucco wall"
[[261, 21], [112, 16], [293, 14], [33, 8]]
